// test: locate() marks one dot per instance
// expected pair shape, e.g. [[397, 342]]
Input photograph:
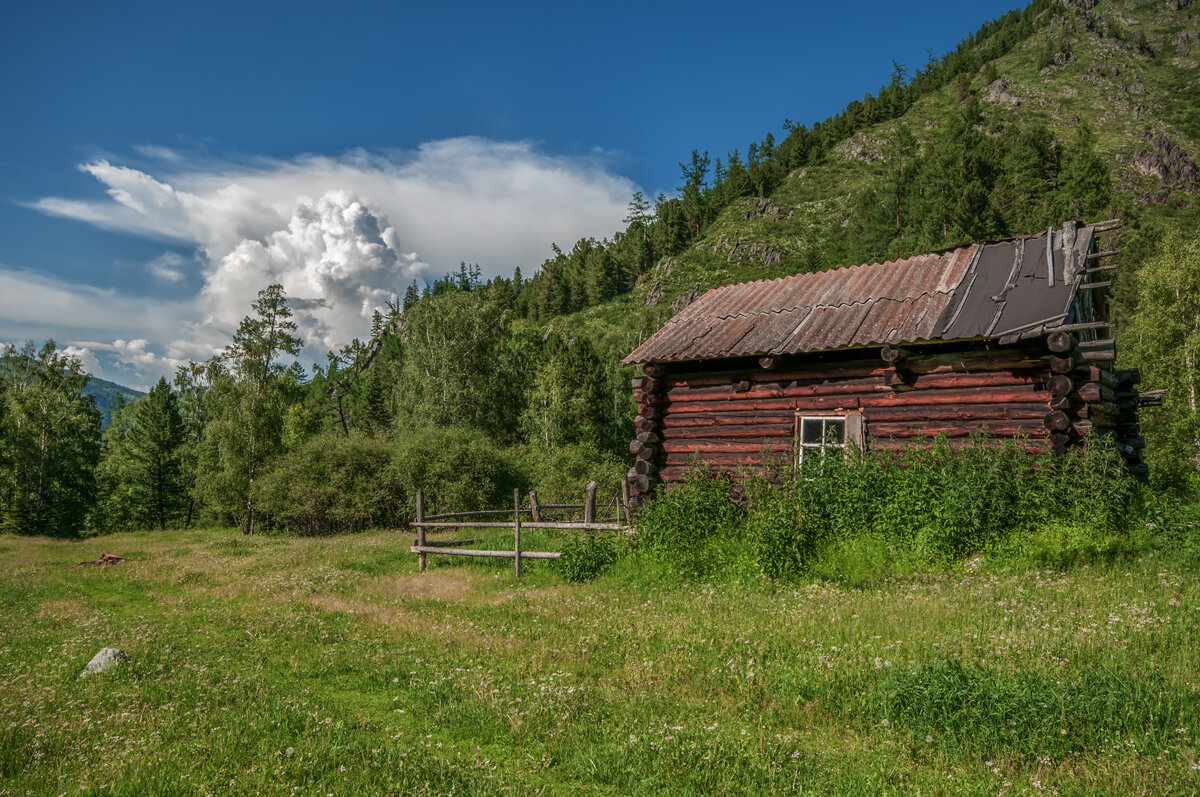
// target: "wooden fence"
[[619, 521]]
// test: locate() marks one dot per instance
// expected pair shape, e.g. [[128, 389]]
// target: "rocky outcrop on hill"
[[997, 91], [1164, 160], [741, 252], [860, 147], [762, 207]]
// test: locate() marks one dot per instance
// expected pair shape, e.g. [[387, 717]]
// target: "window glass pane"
[[811, 430], [835, 431]]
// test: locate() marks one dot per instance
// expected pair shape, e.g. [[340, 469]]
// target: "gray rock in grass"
[[106, 659]]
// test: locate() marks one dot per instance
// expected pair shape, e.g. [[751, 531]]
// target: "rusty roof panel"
[[981, 290]]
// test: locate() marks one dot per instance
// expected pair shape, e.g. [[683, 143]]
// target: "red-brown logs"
[[1093, 391], [1065, 363], [1060, 385], [1057, 421]]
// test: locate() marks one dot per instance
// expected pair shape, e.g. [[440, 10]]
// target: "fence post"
[[535, 509], [589, 505], [420, 529], [517, 531], [625, 502]]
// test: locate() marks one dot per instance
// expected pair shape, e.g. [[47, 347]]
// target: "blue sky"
[[161, 162]]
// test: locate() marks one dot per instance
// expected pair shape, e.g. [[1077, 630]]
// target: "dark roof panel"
[[976, 291]]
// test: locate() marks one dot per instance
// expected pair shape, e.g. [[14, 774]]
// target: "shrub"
[[457, 469], [694, 526], [925, 504], [560, 475], [330, 484], [586, 555]]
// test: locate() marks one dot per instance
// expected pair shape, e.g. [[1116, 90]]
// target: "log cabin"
[[1007, 339]]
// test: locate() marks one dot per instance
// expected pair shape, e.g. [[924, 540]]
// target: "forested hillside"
[[109, 396], [1080, 109]]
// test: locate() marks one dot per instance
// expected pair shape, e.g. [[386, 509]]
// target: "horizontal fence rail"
[[422, 547]]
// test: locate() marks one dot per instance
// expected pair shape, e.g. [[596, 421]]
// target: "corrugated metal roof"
[[976, 291]]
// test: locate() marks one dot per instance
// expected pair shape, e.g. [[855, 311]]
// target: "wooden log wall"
[[743, 415], [649, 392], [1094, 403]]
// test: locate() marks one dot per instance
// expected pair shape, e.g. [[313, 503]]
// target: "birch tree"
[[49, 442], [1164, 336]]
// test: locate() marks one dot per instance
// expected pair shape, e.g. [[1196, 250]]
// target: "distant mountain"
[[106, 396], [982, 149]]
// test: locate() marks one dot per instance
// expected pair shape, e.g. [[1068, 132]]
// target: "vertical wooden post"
[[624, 501], [589, 506], [420, 529], [535, 509], [517, 531]]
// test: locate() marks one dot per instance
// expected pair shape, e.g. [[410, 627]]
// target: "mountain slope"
[[1127, 70], [106, 394]]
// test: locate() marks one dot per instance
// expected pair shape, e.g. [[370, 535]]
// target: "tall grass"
[[282, 666], [864, 515]]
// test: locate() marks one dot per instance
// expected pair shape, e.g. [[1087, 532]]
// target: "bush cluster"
[[330, 484], [695, 526], [926, 504], [334, 483], [586, 555]]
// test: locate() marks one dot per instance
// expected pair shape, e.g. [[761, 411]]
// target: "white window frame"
[[852, 434]]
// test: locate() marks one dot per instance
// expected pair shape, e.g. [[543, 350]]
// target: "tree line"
[[462, 397], [468, 386]]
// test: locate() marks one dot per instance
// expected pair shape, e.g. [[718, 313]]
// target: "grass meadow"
[[268, 665]]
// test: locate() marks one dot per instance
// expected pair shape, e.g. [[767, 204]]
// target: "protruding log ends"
[[644, 467], [1094, 404], [1151, 398], [1061, 342], [1066, 363], [650, 394], [640, 486], [893, 355], [741, 386], [1060, 385], [647, 452], [768, 363], [1057, 421]]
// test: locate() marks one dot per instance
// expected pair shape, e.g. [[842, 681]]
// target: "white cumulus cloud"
[[343, 234], [336, 261]]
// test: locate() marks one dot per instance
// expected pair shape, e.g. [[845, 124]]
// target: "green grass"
[[330, 666]]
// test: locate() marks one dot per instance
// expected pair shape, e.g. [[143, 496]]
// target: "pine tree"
[[375, 417], [153, 442], [1085, 186]]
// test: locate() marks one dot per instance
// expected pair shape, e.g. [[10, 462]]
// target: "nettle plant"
[[930, 503]]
